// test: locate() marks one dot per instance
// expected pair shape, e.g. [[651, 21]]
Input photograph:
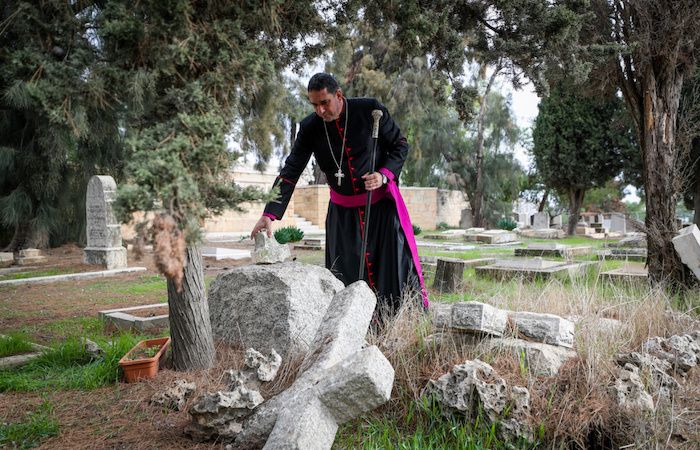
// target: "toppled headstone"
[[464, 392], [104, 232], [628, 390], [276, 306], [29, 256], [479, 318], [539, 358], [175, 396], [546, 328], [687, 245], [338, 381], [220, 414], [268, 250]]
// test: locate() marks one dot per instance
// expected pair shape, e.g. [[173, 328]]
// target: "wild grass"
[[573, 410], [37, 426], [15, 343], [67, 366]]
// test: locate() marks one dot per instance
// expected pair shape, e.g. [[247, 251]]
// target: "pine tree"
[[54, 132]]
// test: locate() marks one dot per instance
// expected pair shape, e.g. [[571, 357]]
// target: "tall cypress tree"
[[579, 144]]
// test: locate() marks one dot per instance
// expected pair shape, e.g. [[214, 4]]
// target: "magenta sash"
[[392, 190]]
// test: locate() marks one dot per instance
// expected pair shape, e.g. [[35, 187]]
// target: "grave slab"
[[626, 254], [72, 276], [630, 271], [30, 256], [552, 249], [476, 317], [496, 236], [547, 328], [545, 234], [224, 253], [539, 358], [311, 244], [339, 380], [687, 245], [533, 269], [123, 318], [6, 257], [104, 235]]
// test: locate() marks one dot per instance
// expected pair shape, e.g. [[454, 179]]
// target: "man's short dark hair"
[[322, 81]]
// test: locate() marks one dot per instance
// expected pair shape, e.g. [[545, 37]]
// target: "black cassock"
[[391, 263]]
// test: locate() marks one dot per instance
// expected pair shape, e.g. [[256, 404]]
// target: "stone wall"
[[422, 206], [449, 206]]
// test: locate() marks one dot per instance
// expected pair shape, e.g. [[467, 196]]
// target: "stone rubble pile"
[[220, 414], [474, 390], [175, 396]]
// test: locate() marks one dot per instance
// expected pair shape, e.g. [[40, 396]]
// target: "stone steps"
[[307, 227]]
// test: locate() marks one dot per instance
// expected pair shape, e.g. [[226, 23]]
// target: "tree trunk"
[[190, 328], [26, 236], [657, 132], [478, 209], [576, 197], [543, 203]]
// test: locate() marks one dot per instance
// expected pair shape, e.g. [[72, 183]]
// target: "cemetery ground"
[[68, 400]]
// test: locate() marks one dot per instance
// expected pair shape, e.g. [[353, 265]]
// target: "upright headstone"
[[467, 219], [618, 222], [104, 233], [540, 221], [556, 221]]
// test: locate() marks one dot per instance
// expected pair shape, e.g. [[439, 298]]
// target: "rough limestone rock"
[[93, 350], [276, 306], [339, 380], [680, 351], [440, 316], [220, 414], [628, 390], [464, 391], [175, 396], [478, 317], [265, 367], [546, 328], [662, 383], [539, 358], [268, 250]]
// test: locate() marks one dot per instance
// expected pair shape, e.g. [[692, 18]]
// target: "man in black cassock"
[[339, 135]]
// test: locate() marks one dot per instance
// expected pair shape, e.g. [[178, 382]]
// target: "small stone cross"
[[339, 380]]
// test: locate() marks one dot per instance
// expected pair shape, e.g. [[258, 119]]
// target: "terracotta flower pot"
[[145, 367]]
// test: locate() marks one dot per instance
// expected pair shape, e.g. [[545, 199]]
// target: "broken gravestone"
[[276, 306], [478, 317], [268, 250], [339, 380], [687, 245], [474, 390], [219, 414], [104, 233]]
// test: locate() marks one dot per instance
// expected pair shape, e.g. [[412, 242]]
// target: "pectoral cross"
[[339, 175]]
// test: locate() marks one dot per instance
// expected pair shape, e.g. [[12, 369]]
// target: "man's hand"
[[264, 222], [372, 180]]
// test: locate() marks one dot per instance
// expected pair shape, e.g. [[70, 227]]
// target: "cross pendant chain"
[[339, 175]]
